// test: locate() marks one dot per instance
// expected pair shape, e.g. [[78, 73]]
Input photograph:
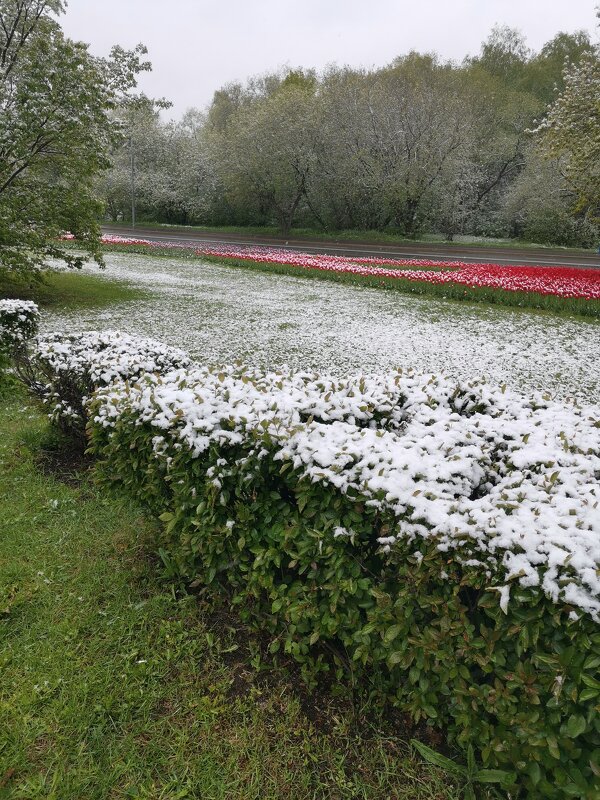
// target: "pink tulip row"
[[568, 282], [560, 281]]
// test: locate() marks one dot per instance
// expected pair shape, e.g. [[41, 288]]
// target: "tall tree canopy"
[[571, 131], [56, 130]]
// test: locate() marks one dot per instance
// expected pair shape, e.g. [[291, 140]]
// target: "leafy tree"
[[544, 73], [345, 183], [144, 156], [423, 131], [538, 205], [266, 153], [56, 130], [571, 132], [499, 145], [418, 145], [388, 142], [504, 54], [193, 170]]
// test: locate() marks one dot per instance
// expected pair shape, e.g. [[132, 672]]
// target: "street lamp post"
[[132, 179]]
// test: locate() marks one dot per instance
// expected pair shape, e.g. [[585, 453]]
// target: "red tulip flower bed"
[[554, 288], [558, 281]]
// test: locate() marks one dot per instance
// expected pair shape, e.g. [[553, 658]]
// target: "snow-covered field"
[[220, 314]]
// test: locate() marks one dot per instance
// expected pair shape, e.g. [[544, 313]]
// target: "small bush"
[[18, 324], [65, 370]]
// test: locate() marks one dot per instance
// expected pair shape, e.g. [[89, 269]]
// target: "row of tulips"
[[559, 281], [566, 282]]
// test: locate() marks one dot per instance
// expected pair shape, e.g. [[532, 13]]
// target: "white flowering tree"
[[571, 132]]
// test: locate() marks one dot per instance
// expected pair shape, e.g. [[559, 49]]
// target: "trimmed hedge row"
[[404, 530]]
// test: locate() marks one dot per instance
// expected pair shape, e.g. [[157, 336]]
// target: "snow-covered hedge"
[[441, 538], [65, 370], [502, 482], [18, 323]]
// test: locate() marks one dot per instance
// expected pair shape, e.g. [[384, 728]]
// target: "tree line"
[[506, 143], [419, 146]]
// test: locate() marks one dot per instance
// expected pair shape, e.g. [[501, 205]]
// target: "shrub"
[[438, 541], [18, 324], [65, 370], [555, 226]]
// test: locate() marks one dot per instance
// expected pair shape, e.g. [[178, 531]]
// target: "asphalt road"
[[536, 257]]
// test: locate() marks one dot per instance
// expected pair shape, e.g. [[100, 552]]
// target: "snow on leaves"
[[65, 370], [18, 322], [503, 481]]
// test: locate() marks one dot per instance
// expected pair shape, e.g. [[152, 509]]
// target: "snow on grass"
[[220, 314]]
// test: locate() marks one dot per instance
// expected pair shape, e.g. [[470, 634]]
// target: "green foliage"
[[113, 685], [545, 72], [471, 774], [266, 156], [571, 131], [504, 54], [555, 226], [61, 289], [56, 129], [425, 633], [555, 222], [416, 146]]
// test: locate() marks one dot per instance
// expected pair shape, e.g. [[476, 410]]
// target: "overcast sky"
[[197, 46]]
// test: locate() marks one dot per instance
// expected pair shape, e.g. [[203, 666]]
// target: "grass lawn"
[[585, 309], [69, 289], [570, 307], [116, 685]]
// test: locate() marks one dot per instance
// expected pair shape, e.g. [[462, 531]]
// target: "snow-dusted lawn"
[[219, 314]]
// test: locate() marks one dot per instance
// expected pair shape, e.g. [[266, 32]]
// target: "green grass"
[[352, 235], [117, 685], [70, 289]]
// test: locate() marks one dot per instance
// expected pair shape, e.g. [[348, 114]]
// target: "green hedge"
[[18, 324], [419, 626]]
